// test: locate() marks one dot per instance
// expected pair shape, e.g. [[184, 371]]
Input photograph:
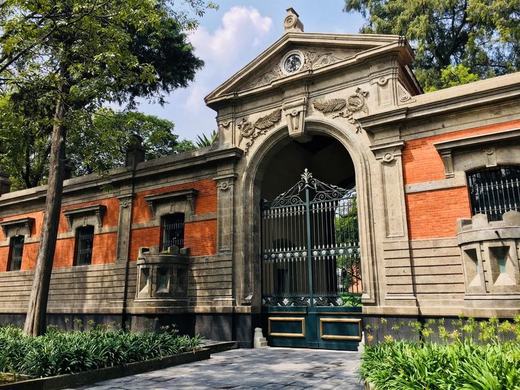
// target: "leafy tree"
[[96, 142], [24, 144], [80, 54], [99, 141], [456, 41], [204, 141]]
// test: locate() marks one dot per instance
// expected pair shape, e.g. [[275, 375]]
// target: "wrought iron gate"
[[311, 281]]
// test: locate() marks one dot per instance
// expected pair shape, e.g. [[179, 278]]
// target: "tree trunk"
[[35, 321]]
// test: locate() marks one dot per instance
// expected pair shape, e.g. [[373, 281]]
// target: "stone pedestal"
[[162, 278]]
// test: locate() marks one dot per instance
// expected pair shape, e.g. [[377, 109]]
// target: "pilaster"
[[124, 227], [225, 202]]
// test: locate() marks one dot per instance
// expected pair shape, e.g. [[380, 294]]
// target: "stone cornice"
[[189, 195], [464, 97], [98, 211], [446, 149], [477, 141], [21, 224], [120, 175], [375, 45]]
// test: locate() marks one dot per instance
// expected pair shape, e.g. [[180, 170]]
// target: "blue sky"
[[230, 37]]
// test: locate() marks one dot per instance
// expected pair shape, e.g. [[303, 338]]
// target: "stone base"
[[220, 326]]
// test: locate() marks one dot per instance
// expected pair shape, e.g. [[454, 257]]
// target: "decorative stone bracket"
[[91, 215], [294, 113], [17, 227], [171, 198], [489, 251], [386, 153], [484, 150]]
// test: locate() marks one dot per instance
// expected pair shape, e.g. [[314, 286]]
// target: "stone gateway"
[[338, 194]]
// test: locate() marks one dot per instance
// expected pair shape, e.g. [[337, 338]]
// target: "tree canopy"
[[96, 142], [103, 53], [456, 41], [61, 60]]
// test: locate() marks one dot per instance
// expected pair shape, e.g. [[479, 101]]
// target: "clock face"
[[292, 63]]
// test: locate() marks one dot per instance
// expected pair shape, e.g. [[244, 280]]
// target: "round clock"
[[292, 63]]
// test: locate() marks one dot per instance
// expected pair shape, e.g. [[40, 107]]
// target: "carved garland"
[[312, 60], [345, 108], [252, 131]]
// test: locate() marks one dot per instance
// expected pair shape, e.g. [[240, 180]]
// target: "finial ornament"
[[292, 22], [306, 176]]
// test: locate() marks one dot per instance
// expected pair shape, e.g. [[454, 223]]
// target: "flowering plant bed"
[[61, 353], [480, 355]]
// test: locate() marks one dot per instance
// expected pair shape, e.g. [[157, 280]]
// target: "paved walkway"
[[269, 368]]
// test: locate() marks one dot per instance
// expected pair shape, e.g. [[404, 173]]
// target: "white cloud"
[[240, 36], [241, 29]]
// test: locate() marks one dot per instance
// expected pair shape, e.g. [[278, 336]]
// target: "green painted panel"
[[340, 329], [286, 326]]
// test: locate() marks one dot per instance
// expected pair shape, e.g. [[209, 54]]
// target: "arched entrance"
[[310, 256]]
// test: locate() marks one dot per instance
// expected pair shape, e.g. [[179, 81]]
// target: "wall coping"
[[477, 140], [143, 170], [462, 97]]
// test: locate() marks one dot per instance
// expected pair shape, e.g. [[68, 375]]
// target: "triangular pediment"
[[317, 53]]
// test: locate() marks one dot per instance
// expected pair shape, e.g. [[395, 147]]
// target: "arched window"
[[15, 253], [172, 231], [493, 191], [84, 245]]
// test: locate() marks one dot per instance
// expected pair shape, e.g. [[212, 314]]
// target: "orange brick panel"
[[105, 248], [146, 237], [201, 237], [434, 214], [30, 252], [64, 254], [4, 255], [423, 163], [205, 202]]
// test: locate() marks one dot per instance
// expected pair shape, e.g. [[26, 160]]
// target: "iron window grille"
[[15, 253], [172, 231], [495, 191], [84, 245]]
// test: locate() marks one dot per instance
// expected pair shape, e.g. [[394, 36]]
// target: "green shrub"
[[481, 356], [60, 352]]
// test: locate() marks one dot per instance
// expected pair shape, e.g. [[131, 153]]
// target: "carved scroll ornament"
[[312, 60], [251, 131], [345, 108]]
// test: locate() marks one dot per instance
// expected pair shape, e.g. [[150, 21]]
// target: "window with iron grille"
[[84, 245], [495, 191], [15, 253], [172, 231]]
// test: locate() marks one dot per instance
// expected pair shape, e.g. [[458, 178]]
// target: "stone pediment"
[[319, 53]]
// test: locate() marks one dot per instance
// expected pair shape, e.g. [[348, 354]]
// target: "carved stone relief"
[[251, 131], [344, 108], [313, 59], [404, 95]]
